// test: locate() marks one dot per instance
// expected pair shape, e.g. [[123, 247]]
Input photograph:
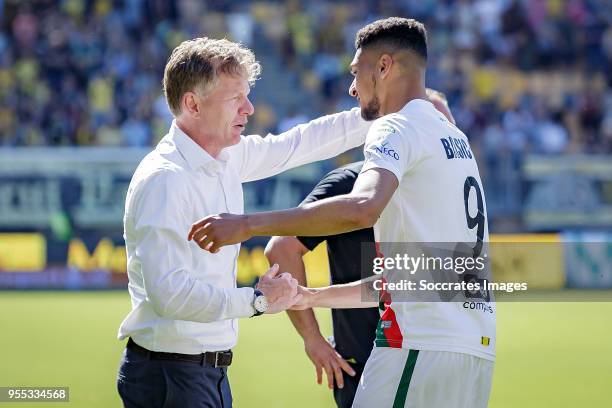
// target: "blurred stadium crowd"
[[522, 76]]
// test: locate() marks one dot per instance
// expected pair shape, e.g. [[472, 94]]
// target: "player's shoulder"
[[391, 129], [418, 115], [397, 123], [384, 127], [390, 121]]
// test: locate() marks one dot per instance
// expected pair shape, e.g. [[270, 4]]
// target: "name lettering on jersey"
[[456, 148], [386, 150]]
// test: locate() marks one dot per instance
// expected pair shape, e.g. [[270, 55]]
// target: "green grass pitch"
[[549, 354]]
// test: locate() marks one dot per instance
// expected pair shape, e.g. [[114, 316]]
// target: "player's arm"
[[348, 212], [287, 252], [358, 294]]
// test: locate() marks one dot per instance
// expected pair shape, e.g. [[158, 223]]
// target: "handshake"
[[282, 291]]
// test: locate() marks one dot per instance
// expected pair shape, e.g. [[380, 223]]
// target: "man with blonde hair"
[[185, 302]]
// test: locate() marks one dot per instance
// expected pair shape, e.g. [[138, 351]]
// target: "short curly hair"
[[402, 33], [196, 64]]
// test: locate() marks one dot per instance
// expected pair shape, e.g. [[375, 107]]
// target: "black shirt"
[[354, 329]]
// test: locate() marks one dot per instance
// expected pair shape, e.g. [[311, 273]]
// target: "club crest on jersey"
[[456, 148], [387, 129], [384, 149]]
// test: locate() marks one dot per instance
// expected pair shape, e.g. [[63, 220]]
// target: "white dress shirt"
[[185, 299]]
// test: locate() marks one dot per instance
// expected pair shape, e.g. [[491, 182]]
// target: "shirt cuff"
[[242, 302]]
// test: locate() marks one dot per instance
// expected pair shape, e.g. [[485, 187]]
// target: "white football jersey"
[[439, 199]]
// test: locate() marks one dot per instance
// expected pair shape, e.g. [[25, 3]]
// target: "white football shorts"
[[395, 378]]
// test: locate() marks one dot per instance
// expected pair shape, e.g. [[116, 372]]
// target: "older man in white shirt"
[[185, 302]]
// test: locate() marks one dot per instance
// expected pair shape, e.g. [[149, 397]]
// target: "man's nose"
[[247, 107]]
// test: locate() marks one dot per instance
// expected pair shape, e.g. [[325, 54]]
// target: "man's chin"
[[368, 115], [236, 136]]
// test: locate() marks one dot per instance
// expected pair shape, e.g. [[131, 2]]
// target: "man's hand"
[[324, 357], [306, 300], [279, 289], [215, 231]]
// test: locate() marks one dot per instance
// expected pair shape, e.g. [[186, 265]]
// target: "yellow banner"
[[536, 259], [23, 252]]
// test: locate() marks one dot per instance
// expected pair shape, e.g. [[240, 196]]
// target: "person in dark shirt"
[[354, 329]]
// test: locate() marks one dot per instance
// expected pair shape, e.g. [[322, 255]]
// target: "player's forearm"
[[287, 252], [348, 296], [325, 217], [304, 321]]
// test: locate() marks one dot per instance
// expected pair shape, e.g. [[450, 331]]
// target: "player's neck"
[[400, 94]]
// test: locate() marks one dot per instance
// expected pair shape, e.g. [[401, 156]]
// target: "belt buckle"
[[217, 359]]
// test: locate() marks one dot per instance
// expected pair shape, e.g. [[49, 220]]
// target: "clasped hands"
[[280, 289], [283, 292]]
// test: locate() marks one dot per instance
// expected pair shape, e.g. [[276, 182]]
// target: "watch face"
[[260, 304]]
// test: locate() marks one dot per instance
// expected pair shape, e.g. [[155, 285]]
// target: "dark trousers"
[[144, 383], [344, 397]]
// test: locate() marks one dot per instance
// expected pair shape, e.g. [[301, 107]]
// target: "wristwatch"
[[260, 303]]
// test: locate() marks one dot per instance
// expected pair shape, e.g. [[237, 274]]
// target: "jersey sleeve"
[[390, 145]]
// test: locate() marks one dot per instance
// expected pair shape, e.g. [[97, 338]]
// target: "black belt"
[[213, 358]]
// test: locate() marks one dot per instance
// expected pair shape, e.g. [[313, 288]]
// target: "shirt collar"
[[416, 103], [195, 156]]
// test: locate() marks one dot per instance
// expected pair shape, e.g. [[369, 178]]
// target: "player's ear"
[[384, 65]]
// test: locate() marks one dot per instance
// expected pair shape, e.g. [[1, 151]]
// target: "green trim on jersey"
[[380, 340], [402, 388], [388, 333]]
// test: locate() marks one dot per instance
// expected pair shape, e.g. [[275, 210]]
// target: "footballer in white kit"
[[419, 184], [438, 198]]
